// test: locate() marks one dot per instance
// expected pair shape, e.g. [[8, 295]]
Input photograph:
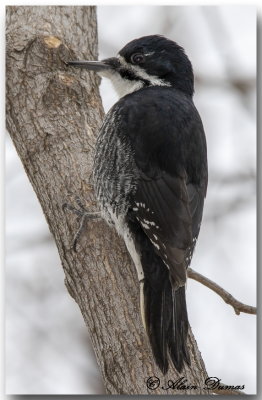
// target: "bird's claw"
[[83, 214]]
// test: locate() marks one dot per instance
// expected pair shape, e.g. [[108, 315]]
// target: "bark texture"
[[53, 115]]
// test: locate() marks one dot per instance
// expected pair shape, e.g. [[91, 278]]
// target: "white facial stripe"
[[122, 86], [154, 80], [150, 54], [125, 86]]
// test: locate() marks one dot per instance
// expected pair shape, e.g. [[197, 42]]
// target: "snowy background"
[[42, 320]]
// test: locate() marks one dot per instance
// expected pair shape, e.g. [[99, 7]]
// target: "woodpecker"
[[150, 178]]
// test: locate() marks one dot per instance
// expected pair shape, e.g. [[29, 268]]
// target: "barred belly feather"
[[114, 172]]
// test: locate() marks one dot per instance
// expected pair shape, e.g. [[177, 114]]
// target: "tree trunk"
[[53, 115]]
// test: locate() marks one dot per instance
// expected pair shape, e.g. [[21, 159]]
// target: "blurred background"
[[42, 320]]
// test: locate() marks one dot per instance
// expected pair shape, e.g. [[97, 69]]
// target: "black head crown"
[[148, 61]]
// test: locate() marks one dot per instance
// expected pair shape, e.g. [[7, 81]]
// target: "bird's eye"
[[137, 58]]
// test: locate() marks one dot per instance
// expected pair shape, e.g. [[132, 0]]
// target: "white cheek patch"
[[154, 80], [122, 86], [125, 86]]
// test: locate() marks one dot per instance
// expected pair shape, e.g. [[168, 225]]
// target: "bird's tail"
[[165, 318]]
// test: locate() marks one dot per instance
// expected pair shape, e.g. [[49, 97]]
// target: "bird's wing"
[[170, 212], [170, 157]]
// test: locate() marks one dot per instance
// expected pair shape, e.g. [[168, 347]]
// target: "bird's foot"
[[83, 215]]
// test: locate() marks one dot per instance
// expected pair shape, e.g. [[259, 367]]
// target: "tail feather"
[[166, 324], [178, 330], [163, 308], [157, 322]]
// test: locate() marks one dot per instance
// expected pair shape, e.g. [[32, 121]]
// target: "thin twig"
[[227, 392], [227, 297]]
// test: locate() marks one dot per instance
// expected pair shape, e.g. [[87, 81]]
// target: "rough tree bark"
[[53, 115]]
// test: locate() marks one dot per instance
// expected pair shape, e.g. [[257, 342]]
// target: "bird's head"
[[147, 61]]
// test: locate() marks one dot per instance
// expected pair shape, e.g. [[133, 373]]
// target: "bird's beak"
[[97, 66]]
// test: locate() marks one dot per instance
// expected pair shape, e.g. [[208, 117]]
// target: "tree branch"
[[227, 392], [227, 297]]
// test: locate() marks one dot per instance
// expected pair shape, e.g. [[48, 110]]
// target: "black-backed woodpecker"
[[150, 179]]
